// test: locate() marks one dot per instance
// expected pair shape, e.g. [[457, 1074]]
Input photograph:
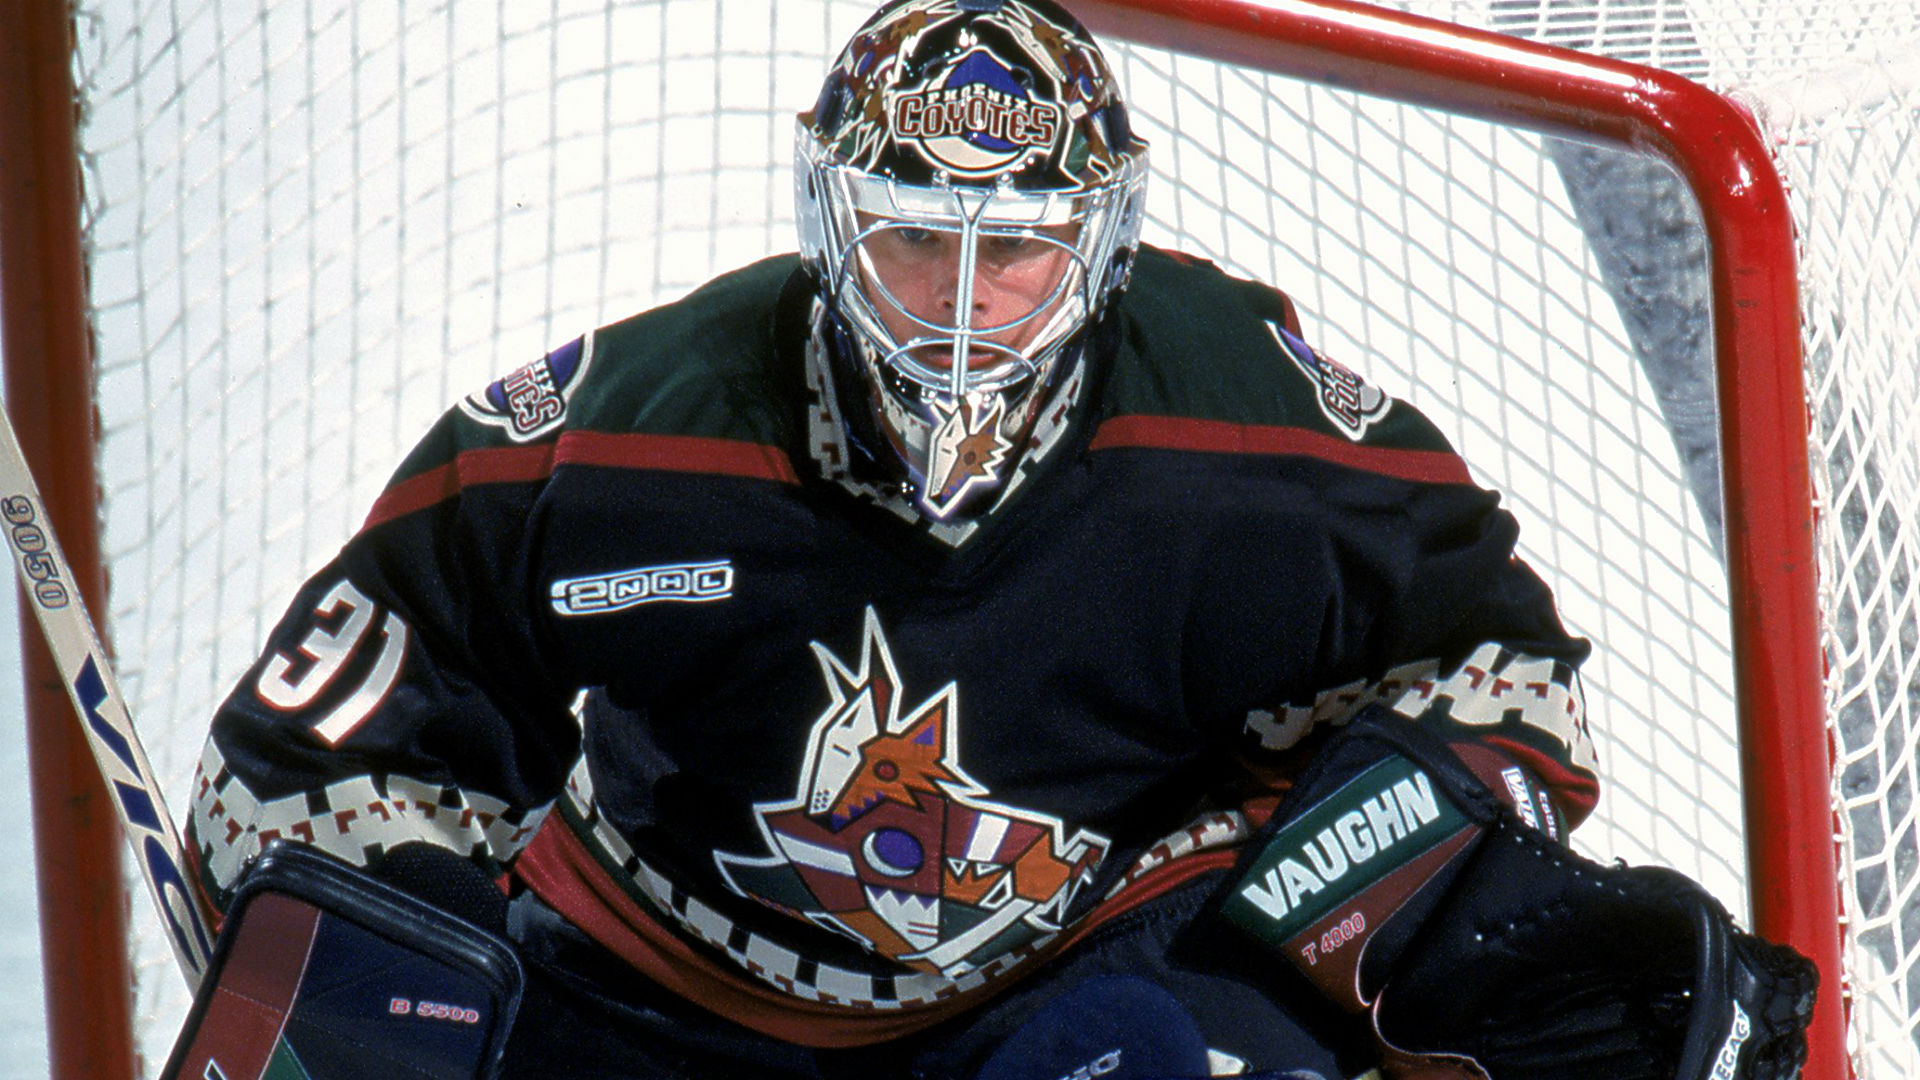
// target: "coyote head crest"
[[890, 842]]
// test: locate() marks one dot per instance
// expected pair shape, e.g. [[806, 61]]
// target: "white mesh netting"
[[314, 225]]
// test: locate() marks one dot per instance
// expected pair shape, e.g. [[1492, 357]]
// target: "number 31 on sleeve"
[[291, 685]]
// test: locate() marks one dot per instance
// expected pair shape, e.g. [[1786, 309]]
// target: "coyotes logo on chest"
[[888, 841]]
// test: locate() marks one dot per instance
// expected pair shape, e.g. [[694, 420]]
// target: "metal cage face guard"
[[985, 135], [957, 355], [943, 342]]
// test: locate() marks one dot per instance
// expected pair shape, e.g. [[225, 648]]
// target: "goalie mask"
[[969, 196]]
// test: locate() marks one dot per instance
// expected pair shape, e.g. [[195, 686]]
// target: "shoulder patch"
[[1348, 401], [533, 400]]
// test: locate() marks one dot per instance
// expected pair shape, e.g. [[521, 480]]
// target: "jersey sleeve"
[[403, 696], [1460, 635], [1425, 605], [1432, 613]]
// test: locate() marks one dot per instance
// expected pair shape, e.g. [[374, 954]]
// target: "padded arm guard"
[[1402, 886]]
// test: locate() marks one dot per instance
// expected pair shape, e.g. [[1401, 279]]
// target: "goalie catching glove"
[[1398, 882]]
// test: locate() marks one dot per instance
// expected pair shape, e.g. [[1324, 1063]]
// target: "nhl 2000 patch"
[[533, 400], [600, 594]]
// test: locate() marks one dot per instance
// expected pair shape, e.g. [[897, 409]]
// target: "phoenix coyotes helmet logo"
[[974, 118], [888, 840], [934, 90]]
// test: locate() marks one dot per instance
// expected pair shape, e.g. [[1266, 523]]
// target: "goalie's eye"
[[1003, 247]]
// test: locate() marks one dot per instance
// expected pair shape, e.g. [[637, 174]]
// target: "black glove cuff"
[[1360, 852]]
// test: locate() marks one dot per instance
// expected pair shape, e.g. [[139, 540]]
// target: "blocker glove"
[[1401, 885]]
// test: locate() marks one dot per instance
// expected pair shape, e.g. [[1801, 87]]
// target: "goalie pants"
[[587, 1014]]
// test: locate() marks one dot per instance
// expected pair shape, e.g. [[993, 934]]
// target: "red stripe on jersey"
[[677, 453], [505, 465], [526, 464], [1221, 437]]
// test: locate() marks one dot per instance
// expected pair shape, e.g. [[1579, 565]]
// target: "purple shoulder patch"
[[532, 401]]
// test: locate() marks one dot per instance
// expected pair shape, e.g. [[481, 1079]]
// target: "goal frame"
[[1710, 142]]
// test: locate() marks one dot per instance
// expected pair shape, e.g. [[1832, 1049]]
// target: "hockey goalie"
[[978, 645]]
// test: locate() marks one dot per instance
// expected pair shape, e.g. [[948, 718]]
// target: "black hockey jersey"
[[616, 626]]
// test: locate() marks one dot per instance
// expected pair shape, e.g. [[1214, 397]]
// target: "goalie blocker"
[[1399, 883], [322, 972]]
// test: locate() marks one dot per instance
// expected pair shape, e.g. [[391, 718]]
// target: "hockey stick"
[[81, 662]]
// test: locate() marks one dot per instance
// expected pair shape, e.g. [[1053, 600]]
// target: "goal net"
[[312, 226]]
